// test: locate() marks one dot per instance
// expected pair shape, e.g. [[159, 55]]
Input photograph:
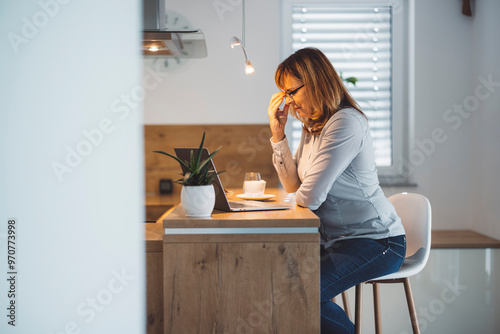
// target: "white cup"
[[253, 185], [254, 188]]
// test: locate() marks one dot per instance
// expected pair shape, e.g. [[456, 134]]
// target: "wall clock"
[[176, 21]]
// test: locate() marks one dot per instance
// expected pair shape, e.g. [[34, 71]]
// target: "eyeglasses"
[[293, 92]]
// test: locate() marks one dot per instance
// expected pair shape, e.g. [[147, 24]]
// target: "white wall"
[[455, 55], [79, 244], [443, 77], [215, 90], [485, 153], [451, 52]]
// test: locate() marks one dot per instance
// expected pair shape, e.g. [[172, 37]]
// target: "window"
[[362, 39]]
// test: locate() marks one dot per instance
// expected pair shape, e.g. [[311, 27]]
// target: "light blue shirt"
[[334, 174]]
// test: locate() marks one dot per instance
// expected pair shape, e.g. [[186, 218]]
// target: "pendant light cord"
[[236, 41], [243, 23]]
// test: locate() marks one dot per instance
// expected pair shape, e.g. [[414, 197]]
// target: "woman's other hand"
[[277, 117]]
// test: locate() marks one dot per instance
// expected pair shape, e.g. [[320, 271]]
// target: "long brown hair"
[[323, 85]]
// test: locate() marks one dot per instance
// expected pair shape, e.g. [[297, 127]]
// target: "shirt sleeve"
[[285, 165], [341, 141]]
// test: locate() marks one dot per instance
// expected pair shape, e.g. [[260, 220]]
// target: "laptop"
[[221, 201]]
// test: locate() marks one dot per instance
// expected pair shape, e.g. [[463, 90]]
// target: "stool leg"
[[359, 307], [345, 301], [376, 308], [411, 306]]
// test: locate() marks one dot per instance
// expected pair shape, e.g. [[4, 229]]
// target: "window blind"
[[358, 41]]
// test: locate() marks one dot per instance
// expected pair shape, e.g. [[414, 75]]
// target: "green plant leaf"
[[209, 157], [198, 172], [198, 158], [179, 181], [192, 165], [352, 80]]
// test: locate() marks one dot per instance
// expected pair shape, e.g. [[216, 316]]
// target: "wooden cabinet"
[[154, 291], [154, 259], [154, 278], [252, 272]]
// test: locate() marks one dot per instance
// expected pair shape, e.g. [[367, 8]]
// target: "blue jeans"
[[350, 262]]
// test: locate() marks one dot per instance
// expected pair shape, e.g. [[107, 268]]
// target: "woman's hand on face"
[[277, 117]]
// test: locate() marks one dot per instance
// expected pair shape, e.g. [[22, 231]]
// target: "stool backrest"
[[415, 213]]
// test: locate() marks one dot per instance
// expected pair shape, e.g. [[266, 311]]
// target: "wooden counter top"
[[174, 217], [168, 199], [294, 217], [462, 239], [154, 231]]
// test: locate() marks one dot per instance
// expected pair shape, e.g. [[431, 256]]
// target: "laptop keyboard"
[[246, 204]]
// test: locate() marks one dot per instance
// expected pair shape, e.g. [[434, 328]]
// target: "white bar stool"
[[415, 213]]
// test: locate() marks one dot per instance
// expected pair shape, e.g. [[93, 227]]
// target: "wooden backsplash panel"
[[244, 148]]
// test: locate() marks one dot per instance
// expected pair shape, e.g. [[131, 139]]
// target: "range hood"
[[159, 41]]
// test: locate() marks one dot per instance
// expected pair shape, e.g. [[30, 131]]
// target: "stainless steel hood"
[[159, 41]]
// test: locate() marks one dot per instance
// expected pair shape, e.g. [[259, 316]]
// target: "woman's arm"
[[283, 161], [285, 166], [341, 141]]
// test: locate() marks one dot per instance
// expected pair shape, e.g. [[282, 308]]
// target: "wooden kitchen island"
[[251, 272]]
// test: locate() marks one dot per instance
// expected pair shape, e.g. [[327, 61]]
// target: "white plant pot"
[[198, 201]]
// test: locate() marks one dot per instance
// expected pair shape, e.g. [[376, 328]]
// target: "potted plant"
[[352, 80], [197, 194]]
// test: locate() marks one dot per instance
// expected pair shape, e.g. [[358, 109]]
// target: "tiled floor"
[[457, 292]]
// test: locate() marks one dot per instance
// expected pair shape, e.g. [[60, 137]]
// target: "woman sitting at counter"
[[333, 173]]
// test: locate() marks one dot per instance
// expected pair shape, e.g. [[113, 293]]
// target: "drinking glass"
[[253, 184], [252, 176]]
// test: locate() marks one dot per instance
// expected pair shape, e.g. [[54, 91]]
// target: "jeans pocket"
[[397, 245]]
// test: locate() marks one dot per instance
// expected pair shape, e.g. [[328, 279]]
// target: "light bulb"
[[235, 41], [153, 48], [249, 68]]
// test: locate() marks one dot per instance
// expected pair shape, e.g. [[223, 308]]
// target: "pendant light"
[[235, 41]]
